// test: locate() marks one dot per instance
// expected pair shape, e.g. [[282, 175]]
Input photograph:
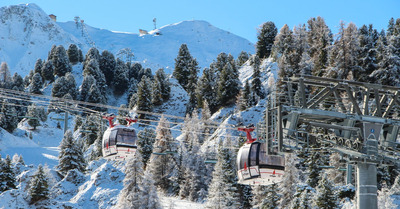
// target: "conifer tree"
[[73, 54], [183, 66], [71, 155], [52, 52], [156, 92], [242, 58], [146, 139], [123, 113], [7, 175], [149, 193], [130, 196], [163, 166], [92, 54], [223, 191], [313, 169], [61, 62], [95, 96], [107, 66], [87, 82], [134, 71], [92, 68], [165, 86], [144, 96], [367, 57], [38, 186], [256, 85], [38, 66], [120, 80], [325, 197], [17, 82], [8, 118], [228, 85], [319, 39], [284, 42], [33, 115], [344, 53], [48, 71], [36, 84], [5, 76], [207, 89], [335, 175], [289, 182], [265, 39]]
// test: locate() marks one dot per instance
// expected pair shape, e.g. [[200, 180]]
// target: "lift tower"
[[358, 120]]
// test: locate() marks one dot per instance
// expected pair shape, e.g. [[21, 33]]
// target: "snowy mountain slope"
[[204, 41], [27, 33]]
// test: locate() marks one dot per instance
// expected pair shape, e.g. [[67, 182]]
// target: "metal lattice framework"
[[359, 120]]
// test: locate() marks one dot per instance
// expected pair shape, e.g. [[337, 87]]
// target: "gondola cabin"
[[119, 141], [255, 166]]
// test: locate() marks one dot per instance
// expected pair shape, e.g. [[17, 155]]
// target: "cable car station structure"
[[358, 120]]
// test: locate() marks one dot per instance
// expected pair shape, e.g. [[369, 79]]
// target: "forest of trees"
[[178, 168]]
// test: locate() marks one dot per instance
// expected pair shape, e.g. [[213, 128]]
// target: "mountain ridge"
[[28, 34]]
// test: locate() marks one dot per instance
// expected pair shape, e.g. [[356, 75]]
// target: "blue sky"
[[239, 17]]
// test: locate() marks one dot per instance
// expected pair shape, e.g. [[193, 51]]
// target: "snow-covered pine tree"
[[71, 155], [33, 115], [156, 92], [52, 52], [8, 118], [284, 42], [207, 89], [163, 166], [123, 113], [95, 96], [38, 66], [107, 66], [256, 85], [92, 68], [242, 58], [240, 101], [165, 85], [314, 169], [27, 78], [87, 82], [73, 54], [7, 175], [344, 53], [387, 72], [17, 82], [146, 139], [335, 175], [91, 125], [120, 81], [319, 39], [134, 71], [367, 57], [223, 188], [384, 199], [131, 195], [183, 66], [144, 96], [325, 195], [290, 180], [61, 62], [228, 85], [38, 187], [48, 71], [265, 39], [5, 76], [92, 54], [132, 89], [149, 194]]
